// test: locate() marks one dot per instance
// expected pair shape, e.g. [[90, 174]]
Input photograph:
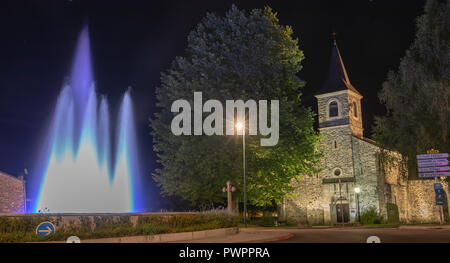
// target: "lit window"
[[333, 109]]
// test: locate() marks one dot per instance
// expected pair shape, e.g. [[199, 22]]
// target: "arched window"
[[333, 109], [355, 110]]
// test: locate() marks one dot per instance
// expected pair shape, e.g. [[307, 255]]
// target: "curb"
[[343, 228], [273, 239], [163, 238], [440, 227], [366, 227]]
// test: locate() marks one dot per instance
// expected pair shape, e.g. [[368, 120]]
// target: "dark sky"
[[133, 41]]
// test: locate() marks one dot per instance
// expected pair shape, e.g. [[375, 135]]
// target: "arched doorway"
[[342, 210]]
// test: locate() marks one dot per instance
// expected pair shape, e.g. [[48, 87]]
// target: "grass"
[[23, 229]]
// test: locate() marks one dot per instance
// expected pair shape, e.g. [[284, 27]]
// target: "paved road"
[[411, 234]]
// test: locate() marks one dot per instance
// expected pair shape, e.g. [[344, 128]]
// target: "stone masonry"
[[12, 194]]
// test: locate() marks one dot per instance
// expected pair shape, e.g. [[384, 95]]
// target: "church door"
[[342, 210]]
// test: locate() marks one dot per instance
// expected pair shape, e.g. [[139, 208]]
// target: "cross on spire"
[[334, 36]]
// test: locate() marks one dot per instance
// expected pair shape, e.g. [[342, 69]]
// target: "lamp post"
[[357, 190], [241, 126]]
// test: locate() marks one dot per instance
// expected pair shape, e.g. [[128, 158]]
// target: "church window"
[[355, 110], [333, 109], [334, 188], [335, 144]]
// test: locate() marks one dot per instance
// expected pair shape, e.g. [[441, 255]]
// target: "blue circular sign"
[[45, 229]]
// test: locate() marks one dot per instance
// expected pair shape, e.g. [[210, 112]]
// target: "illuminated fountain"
[[86, 169]]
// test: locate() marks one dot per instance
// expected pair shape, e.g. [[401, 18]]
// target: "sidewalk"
[[221, 235], [248, 235], [446, 227]]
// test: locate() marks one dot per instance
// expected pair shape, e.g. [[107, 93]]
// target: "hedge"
[[22, 229]]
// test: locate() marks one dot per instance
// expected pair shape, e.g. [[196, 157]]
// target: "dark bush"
[[265, 221], [371, 216], [392, 213]]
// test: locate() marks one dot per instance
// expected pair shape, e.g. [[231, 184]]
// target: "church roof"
[[366, 140], [337, 79]]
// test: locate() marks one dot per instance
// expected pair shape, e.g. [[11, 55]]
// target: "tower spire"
[[337, 74]]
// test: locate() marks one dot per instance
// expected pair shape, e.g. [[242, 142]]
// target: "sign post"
[[435, 164]]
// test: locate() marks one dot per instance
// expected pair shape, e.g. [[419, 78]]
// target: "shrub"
[[392, 213], [265, 221], [22, 229], [371, 216]]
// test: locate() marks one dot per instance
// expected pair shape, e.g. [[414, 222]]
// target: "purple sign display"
[[433, 165]]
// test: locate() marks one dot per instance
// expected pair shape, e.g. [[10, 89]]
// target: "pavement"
[[386, 234], [248, 235], [399, 234], [360, 234]]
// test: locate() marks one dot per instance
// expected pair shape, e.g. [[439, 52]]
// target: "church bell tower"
[[339, 103]]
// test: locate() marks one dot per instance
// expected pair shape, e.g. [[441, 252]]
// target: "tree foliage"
[[417, 95], [239, 56]]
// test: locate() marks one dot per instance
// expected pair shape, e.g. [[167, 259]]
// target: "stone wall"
[[421, 201], [394, 187], [355, 121], [304, 205], [336, 146], [366, 174], [415, 199], [12, 194]]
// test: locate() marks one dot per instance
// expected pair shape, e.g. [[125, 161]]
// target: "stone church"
[[351, 163]]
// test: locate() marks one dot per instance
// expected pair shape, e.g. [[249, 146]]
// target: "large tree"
[[417, 95], [239, 56]]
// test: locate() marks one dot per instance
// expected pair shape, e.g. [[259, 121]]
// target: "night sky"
[[133, 41]]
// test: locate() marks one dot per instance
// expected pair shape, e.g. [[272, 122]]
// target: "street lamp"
[[357, 190], [241, 126]]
